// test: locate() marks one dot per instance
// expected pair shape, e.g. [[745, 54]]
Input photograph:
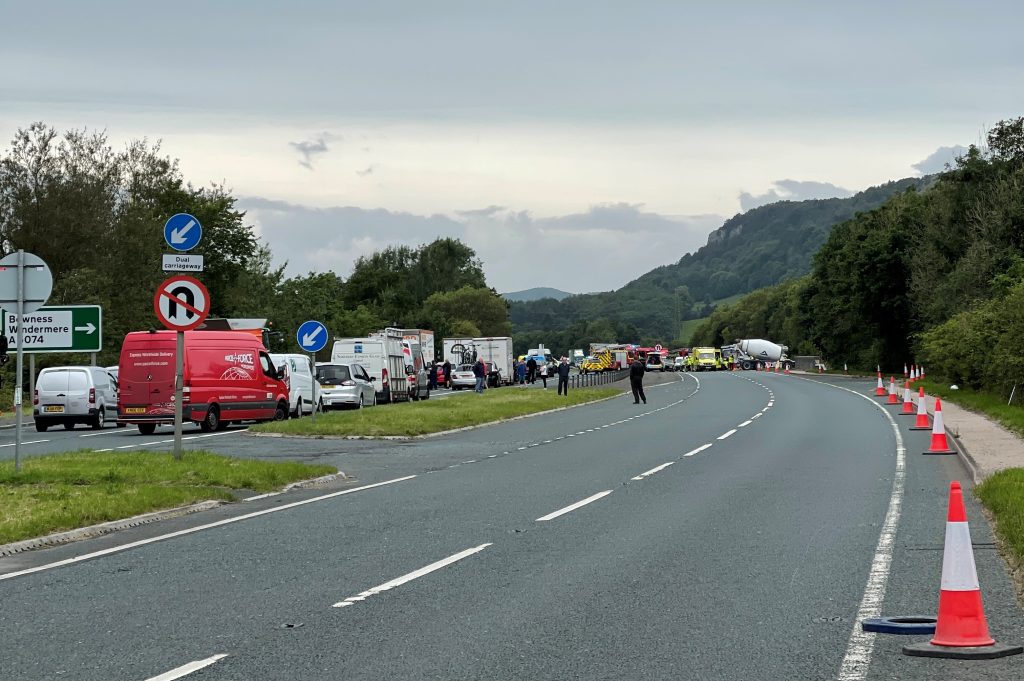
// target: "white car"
[[680, 363], [71, 395], [303, 390], [345, 385], [463, 377]]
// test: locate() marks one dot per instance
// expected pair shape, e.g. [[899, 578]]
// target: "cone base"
[[907, 413], [920, 427], [940, 451], [979, 653]]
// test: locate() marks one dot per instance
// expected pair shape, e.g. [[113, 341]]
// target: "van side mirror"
[[279, 375], [372, 379]]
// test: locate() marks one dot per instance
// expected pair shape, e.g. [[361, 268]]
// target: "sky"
[[571, 144]]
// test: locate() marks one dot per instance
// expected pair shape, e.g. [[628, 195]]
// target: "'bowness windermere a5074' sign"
[[69, 328]]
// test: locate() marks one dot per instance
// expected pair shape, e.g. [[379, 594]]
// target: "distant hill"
[[762, 247], [532, 294]]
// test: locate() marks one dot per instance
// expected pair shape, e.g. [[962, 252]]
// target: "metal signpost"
[[312, 337], [25, 283], [181, 303]]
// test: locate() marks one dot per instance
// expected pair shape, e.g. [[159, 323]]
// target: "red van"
[[229, 377]]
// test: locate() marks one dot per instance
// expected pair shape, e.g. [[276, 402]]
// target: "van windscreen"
[[332, 374]]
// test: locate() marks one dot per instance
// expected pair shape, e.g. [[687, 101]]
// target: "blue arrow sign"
[[182, 232], [312, 336]]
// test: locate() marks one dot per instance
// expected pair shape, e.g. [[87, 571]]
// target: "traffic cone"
[[920, 374], [893, 399], [880, 389], [776, 367], [906, 372], [785, 370], [961, 631], [939, 443], [922, 422], [908, 401]]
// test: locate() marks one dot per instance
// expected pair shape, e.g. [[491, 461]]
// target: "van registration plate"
[[134, 410], [54, 409]]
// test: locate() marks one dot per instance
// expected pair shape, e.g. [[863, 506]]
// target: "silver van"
[[303, 390], [72, 395]]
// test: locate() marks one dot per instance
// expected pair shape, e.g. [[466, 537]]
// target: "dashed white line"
[[654, 470], [415, 574], [572, 507], [192, 530], [756, 416], [186, 669], [30, 442], [698, 450], [727, 434], [745, 424]]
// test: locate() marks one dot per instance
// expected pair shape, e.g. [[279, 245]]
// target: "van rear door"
[[52, 388], [146, 372]]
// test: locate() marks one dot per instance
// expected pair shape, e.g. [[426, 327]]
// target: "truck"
[[425, 337], [604, 360], [458, 350], [497, 352], [383, 358], [706, 359], [747, 353]]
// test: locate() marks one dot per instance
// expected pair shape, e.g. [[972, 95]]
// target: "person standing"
[[563, 377], [531, 370], [479, 373], [521, 372], [432, 380], [636, 381], [447, 374], [544, 374]]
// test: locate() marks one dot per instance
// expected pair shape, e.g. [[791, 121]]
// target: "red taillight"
[[384, 377], [35, 397], [92, 395]]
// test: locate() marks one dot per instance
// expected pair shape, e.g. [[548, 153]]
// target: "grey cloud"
[[310, 148], [793, 190], [480, 212], [937, 161]]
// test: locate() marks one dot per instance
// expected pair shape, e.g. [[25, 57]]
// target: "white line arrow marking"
[[88, 328], [178, 235], [311, 336]]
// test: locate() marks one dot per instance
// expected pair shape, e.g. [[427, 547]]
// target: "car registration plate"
[[134, 410], [328, 387], [54, 409]]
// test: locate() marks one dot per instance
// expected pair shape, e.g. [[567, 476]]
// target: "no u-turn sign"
[[181, 303]]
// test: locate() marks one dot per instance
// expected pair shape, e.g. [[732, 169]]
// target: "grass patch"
[[687, 328], [434, 416], [66, 491], [1003, 495], [993, 406]]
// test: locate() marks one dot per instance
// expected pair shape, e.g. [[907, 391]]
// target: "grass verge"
[[993, 406], [434, 416], [66, 491], [1003, 495]]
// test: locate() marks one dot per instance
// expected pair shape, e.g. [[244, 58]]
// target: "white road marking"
[[698, 450], [470, 461], [654, 470], [493, 456], [261, 496], [572, 507], [861, 645], [416, 574], [192, 530], [756, 416], [30, 442], [519, 449], [102, 432], [726, 435], [187, 669], [744, 424]]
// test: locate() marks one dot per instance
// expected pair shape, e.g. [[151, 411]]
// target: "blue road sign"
[[312, 336], [182, 232]]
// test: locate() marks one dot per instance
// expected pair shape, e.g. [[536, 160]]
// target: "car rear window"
[[332, 373]]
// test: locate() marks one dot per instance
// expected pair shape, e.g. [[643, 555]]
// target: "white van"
[[303, 390], [383, 360], [71, 395]]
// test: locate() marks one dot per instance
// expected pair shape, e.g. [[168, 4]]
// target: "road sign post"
[[181, 303], [312, 337], [26, 283]]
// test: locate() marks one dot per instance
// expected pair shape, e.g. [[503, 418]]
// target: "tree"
[[482, 307]]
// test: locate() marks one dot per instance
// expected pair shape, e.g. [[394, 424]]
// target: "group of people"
[[529, 370], [446, 371]]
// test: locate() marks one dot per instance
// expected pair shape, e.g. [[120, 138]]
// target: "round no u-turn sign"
[[181, 303]]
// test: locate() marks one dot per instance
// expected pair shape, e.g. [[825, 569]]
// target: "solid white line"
[[572, 507], [744, 424], [191, 530], [261, 496], [654, 470], [725, 435], [416, 574], [861, 645], [187, 669], [698, 450]]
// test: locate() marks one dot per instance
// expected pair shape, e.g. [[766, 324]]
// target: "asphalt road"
[[726, 530]]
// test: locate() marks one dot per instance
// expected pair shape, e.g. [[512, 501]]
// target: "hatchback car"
[[345, 386], [72, 395]]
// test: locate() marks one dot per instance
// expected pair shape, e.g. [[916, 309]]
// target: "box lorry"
[[497, 352], [228, 377], [382, 356]]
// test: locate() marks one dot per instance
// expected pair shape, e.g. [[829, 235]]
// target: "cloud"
[[310, 148], [937, 161], [599, 249], [793, 190]]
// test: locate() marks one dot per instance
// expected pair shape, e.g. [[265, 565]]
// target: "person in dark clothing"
[[432, 379], [531, 370], [480, 373], [447, 374], [636, 381], [563, 377]]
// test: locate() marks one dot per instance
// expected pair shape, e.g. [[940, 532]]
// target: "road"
[[726, 530]]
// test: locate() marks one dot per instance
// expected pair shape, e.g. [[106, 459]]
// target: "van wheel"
[[211, 421], [99, 420], [298, 409], [147, 428], [282, 412], [374, 403], [359, 405], [41, 427], [320, 404]]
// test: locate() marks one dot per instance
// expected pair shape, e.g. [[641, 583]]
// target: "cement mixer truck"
[[747, 353]]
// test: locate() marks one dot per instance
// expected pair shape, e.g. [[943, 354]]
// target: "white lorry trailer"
[[383, 358], [497, 352]]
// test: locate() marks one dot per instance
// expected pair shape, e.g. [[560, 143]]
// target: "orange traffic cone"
[[785, 370], [880, 389], [906, 372], [961, 631], [939, 443], [922, 422], [893, 399], [776, 367], [908, 401]]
